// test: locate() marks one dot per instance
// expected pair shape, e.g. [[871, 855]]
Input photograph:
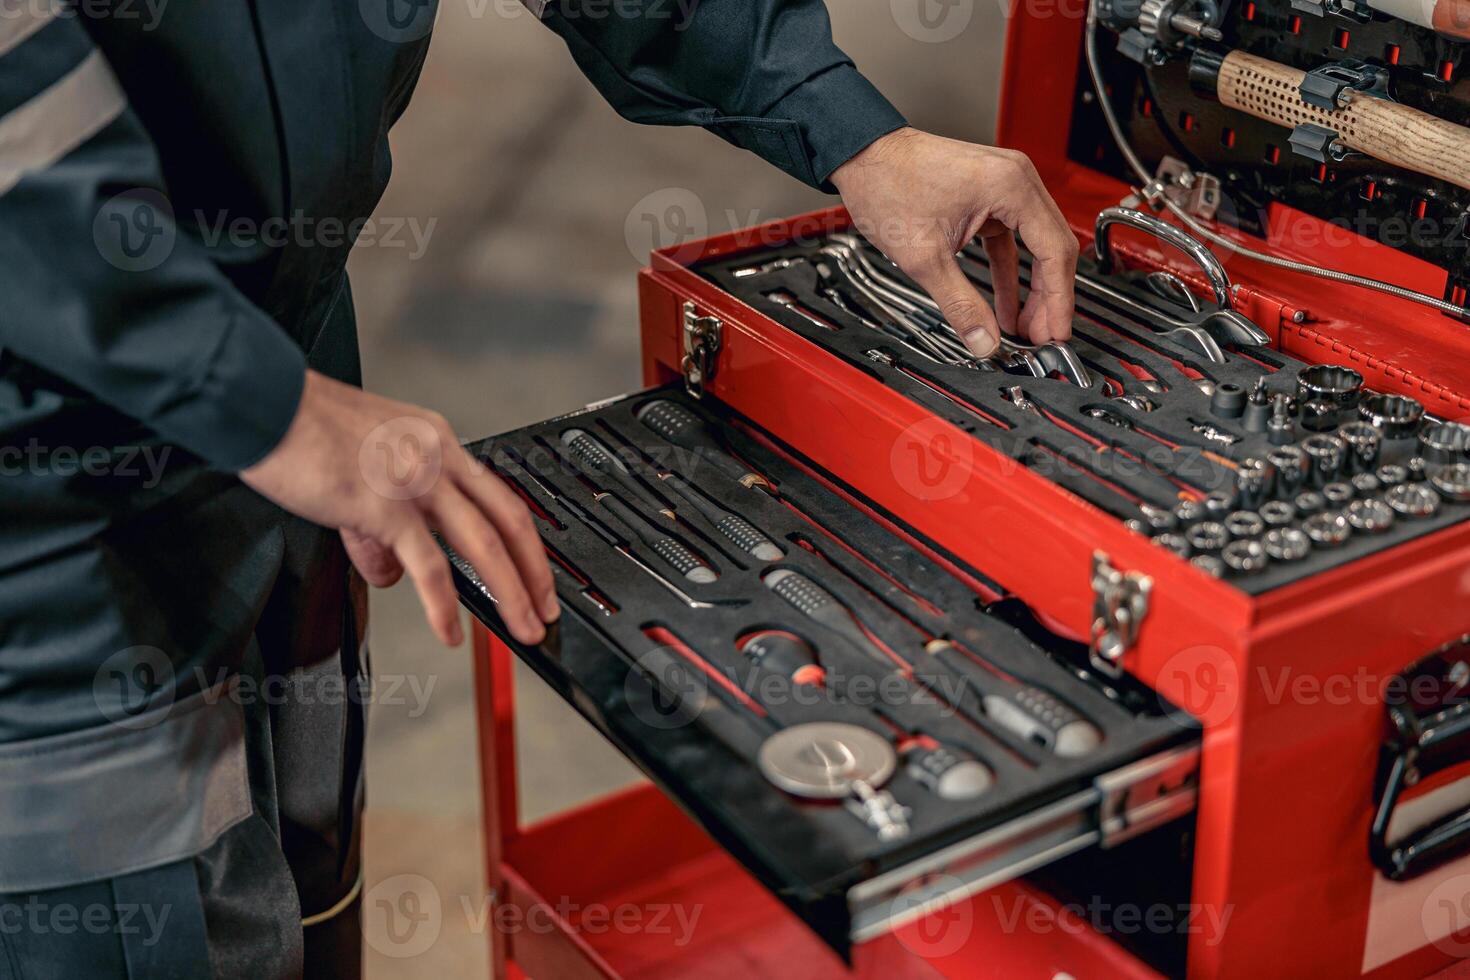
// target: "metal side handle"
[[1194, 248]]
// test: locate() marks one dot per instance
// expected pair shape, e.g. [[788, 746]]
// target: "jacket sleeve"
[[100, 287], [762, 74]]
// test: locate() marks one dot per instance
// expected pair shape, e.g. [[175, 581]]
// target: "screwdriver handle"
[[595, 459], [676, 424], [671, 550], [1026, 710], [731, 525]]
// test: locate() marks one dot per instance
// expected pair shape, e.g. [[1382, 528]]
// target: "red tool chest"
[[1279, 688]]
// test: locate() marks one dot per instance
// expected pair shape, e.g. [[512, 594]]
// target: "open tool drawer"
[[780, 599]]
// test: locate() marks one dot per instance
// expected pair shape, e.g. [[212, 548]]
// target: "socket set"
[[1170, 412], [835, 699]]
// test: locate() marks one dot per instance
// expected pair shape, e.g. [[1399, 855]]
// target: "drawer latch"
[[1120, 603], [703, 336]]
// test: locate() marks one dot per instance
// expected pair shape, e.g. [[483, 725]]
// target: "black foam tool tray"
[[667, 683], [1146, 460]]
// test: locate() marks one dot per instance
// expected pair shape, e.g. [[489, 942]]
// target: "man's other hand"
[[385, 473], [920, 198]]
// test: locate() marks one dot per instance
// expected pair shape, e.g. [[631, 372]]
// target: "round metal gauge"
[[821, 760]]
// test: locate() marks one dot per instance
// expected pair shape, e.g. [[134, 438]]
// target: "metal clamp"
[[1194, 248], [703, 336], [1120, 603]]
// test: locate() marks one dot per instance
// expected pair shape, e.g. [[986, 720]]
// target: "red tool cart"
[[1279, 772]]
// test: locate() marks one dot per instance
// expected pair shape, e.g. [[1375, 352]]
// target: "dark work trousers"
[[291, 852]]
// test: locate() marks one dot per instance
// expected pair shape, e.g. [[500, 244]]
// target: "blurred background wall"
[[524, 208]]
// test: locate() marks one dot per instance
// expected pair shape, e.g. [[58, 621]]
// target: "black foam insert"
[[699, 738], [1150, 461]]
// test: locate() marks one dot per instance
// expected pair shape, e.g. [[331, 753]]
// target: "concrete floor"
[[535, 199]]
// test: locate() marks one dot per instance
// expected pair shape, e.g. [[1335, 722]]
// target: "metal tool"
[[1255, 479], [823, 607], [1370, 516], [676, 424], [1207, 537], [765, 268], [1245, 524], [1281, 427], [1332, 383], [596, 460], [1050, 358], [1326, 454], [785, 299], [1033, 714], [1452, 482], [1366, 484], [612, 540], [786, 654], [948, 773], [737, 529], [1392, 474], [1176, 543], [833, 761], [1277, 513], [1286, 544], [1396, 416], [1209, 564], [1291, 465], [1328, 530], [1320, 415], [1338, 494], [670, 549], [1413, 500], [1245, 557], [1365, 445], [1444, 442]]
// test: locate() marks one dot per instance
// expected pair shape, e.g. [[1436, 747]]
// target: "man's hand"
[[920, 198], [384, 473]]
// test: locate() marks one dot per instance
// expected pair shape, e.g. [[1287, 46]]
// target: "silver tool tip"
[[776, 577], [701, 575]]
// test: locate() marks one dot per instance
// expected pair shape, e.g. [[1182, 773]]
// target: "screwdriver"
[[823, 607], [595, 459], [731, 525], [676, 424], [1029, 711], [670, 549]]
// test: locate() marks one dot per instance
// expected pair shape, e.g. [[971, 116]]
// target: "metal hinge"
[[702, 338], [1119, 605]]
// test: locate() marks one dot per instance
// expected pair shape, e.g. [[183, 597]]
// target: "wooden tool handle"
[[1382, 129]]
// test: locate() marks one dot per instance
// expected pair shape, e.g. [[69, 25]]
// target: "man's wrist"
[[871, 157]]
